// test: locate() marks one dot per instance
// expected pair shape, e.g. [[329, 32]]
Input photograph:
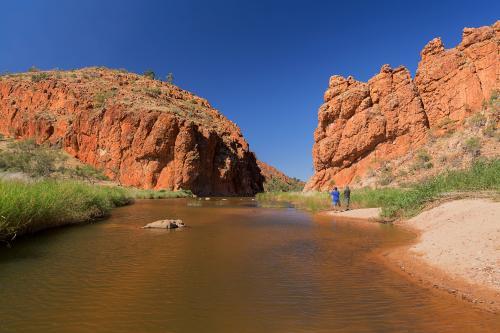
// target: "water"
[[238, 268]]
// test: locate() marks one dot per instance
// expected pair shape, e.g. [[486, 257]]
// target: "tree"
[[150, 74], [170, 78]]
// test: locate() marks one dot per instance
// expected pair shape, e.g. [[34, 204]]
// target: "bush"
[[29, 207], [102, 97], [170, 78], [29, 157], [89, 173], [150, 74], [477, 120], [39, 77], [386, 177], [473, 146], [153, 92], [158, 194], [276, 184], [33, 69], [422, 160]]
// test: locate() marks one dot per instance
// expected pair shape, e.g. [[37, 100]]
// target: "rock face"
[[361, 124], [141, 132]]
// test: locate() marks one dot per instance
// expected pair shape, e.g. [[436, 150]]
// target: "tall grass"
[[28, 207], [402, 202]]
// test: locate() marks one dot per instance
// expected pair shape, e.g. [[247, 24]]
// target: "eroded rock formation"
[[363, 123], [141, 132]]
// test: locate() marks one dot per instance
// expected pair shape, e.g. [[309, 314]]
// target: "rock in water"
[[141, 132], [165, 224], [388, 116]]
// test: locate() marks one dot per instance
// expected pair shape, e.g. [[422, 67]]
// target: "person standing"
[[335, 197], [347, 196]]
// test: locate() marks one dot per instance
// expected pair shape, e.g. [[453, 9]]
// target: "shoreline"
[[456, 249]]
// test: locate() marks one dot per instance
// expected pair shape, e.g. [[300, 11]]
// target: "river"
[[237, 268]]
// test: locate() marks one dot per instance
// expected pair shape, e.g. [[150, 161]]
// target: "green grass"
[[28, 207], [402, 202], [157, 194]]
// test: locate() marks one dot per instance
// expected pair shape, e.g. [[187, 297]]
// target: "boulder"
[[165, 224]]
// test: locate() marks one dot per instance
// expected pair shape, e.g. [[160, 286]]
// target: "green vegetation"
[[276, 184], [88, 173], [170, 78], [30, 158], [473, 146], [28, 207], [483, 175], [39, 77], [312, 201], [153, 92], [101, 98], [150, 74], [386, 176], [158, 194], [33, 69], [422, 160]]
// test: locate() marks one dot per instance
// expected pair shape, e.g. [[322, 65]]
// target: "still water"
[[237, 268]]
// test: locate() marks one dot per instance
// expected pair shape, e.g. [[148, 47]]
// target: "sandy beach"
[[457, 249]]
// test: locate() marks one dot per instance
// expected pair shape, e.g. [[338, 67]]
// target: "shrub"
[[422, 160], [102, 97], [39, 77], [33, 159], [276, 184], [157, 194], [477, 120], [170, 78], [153, 92], [386, 177], [473, 146], [89, 173], [150, 74], [33, 69]]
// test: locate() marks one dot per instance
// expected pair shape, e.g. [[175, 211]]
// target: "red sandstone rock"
[[141, 132], [361, 123]]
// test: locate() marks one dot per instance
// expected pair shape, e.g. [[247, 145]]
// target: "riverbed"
[[236, 268]]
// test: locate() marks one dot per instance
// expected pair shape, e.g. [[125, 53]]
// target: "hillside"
[[141, 132], [275, 180], [394, 121]]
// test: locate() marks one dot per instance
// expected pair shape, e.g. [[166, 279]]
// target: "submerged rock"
[[165, 224]]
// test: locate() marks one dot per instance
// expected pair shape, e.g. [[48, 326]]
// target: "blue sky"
[[263, 64]]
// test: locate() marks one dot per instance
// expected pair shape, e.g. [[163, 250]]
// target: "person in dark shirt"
[[335, 197], [347, 196]]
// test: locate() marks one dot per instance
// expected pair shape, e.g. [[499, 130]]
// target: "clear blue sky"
[[263, 64]]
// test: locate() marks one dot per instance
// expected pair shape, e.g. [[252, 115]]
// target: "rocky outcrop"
[[362, 124], [141, 132], [165, 224]]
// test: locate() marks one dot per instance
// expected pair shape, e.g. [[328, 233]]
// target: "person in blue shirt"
[[335, 197]]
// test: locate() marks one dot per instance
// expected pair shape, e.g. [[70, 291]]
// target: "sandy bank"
[[372, 214], [458, 250]]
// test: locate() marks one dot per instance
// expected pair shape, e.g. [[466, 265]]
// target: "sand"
[[457, 249], [362, 214]]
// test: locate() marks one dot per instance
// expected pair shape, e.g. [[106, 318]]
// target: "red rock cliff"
[[141, 132], [362, 123]]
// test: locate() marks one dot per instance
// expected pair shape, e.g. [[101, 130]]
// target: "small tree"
[[150, 74], [473, 146], [170, 78]]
